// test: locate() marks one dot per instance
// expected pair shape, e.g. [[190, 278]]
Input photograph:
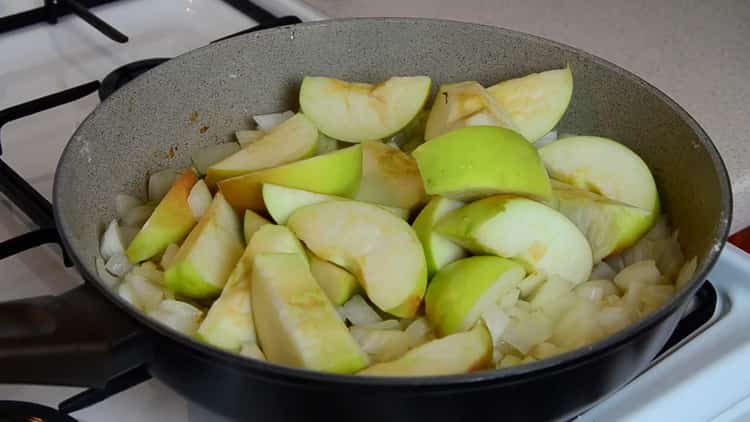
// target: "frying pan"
[[88, 335]]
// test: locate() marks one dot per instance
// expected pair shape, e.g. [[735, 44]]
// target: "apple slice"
[[464, 104], [622, 176], [295, 321], [473, 162], [539, 237], [438, 250], [460, 292], [281, 202], [356, 112], [251, 223], [338, 284], [609, 226], [389, 177], [335, 173], [170, 222], [378, 248], [455, 354], [206, 258], [229, 322], [295, 139], [535, 102]]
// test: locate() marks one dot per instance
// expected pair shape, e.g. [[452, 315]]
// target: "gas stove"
[[698, 376]]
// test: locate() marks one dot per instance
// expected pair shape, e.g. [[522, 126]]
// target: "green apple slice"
[[170, 222], [335, 173], [378, 248], [229, 322], [389, 177], [282, 201], [438, 250], [602, 166], [460, 292], [609, 226], [535, 102], [455, 354], [539, 237], [473, 162], [206, 258], [338, 284], [295, 139], [296, 323], [356, 112], [251, 223], [464, 104]]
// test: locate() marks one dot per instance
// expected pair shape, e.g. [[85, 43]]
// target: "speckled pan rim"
[[477, 380]]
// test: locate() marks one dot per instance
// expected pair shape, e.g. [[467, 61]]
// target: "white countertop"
[[698, 52]]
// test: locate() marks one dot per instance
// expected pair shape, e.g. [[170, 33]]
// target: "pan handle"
[[77, 338]]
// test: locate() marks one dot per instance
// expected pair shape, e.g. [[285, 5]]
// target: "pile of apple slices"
[[367, 234]]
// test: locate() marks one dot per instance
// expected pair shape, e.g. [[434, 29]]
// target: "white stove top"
[[703, 380]]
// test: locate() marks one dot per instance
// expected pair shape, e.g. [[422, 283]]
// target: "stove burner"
[[124, 74], [19, 411]]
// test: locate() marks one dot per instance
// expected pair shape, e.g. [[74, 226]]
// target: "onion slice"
[[251, 350], [210, 155], [138, 215], [199, 199], [359, 312], [168, 255], [160, 182], [180, 316], [118, 265], [124, 203], [108, 279], [112, 242], [247, 137], [266, 122]]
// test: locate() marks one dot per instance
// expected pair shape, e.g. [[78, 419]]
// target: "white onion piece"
[[670, 258], [118, 265], [160, 182], [530, 283], [266, 122], [210, 155], [326, 145], [108, 279], [127, 293], [358, 312], [554, 297], [180, 316], [632, 297], [251, 350], [497, 356], [389, 324], [508, 361], [545, 350], [128, 234], [149, 271], [645, 272], [614, 318], [382, 345], [602, 271], [654, 296], [615, 262], [686, 272], [247, 137], [111, 243], [596, 290], [124, 203], [578, 327], [526, 329], [199, 199], [148, 294], [419, 332], [138, 215], [496, 321], [660, 230], [168, 255], [546, 139]]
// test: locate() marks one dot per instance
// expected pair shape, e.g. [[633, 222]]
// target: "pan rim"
[[559, 363]]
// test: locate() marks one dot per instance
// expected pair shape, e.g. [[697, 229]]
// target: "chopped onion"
[[210, 155], [686, 272], [632, 297], [660, 230], [545, 350], [612, 300], [531, 282], [644, 250], [382, 345], [124, 203], [389, 324], [326, 145], [546, 139], [108, 279], [578, 327], [509, 360], [419, 332], [358, 312], [614, 318], [180, 316], [654, 296], [168, 255], [526, 329], [645, 272], [266, 122], [528, 359], [670, 258], [251, 350], [510, 299], [602, 271], [118, 265], [596, 290], [554, 297], [138, 215], [247, 137], [199, 199], [497, 356], [112, 243], [496, 321], [147, 294], [615, 262], [149, 271], [160, 182], [128, 234], [127, 293]]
